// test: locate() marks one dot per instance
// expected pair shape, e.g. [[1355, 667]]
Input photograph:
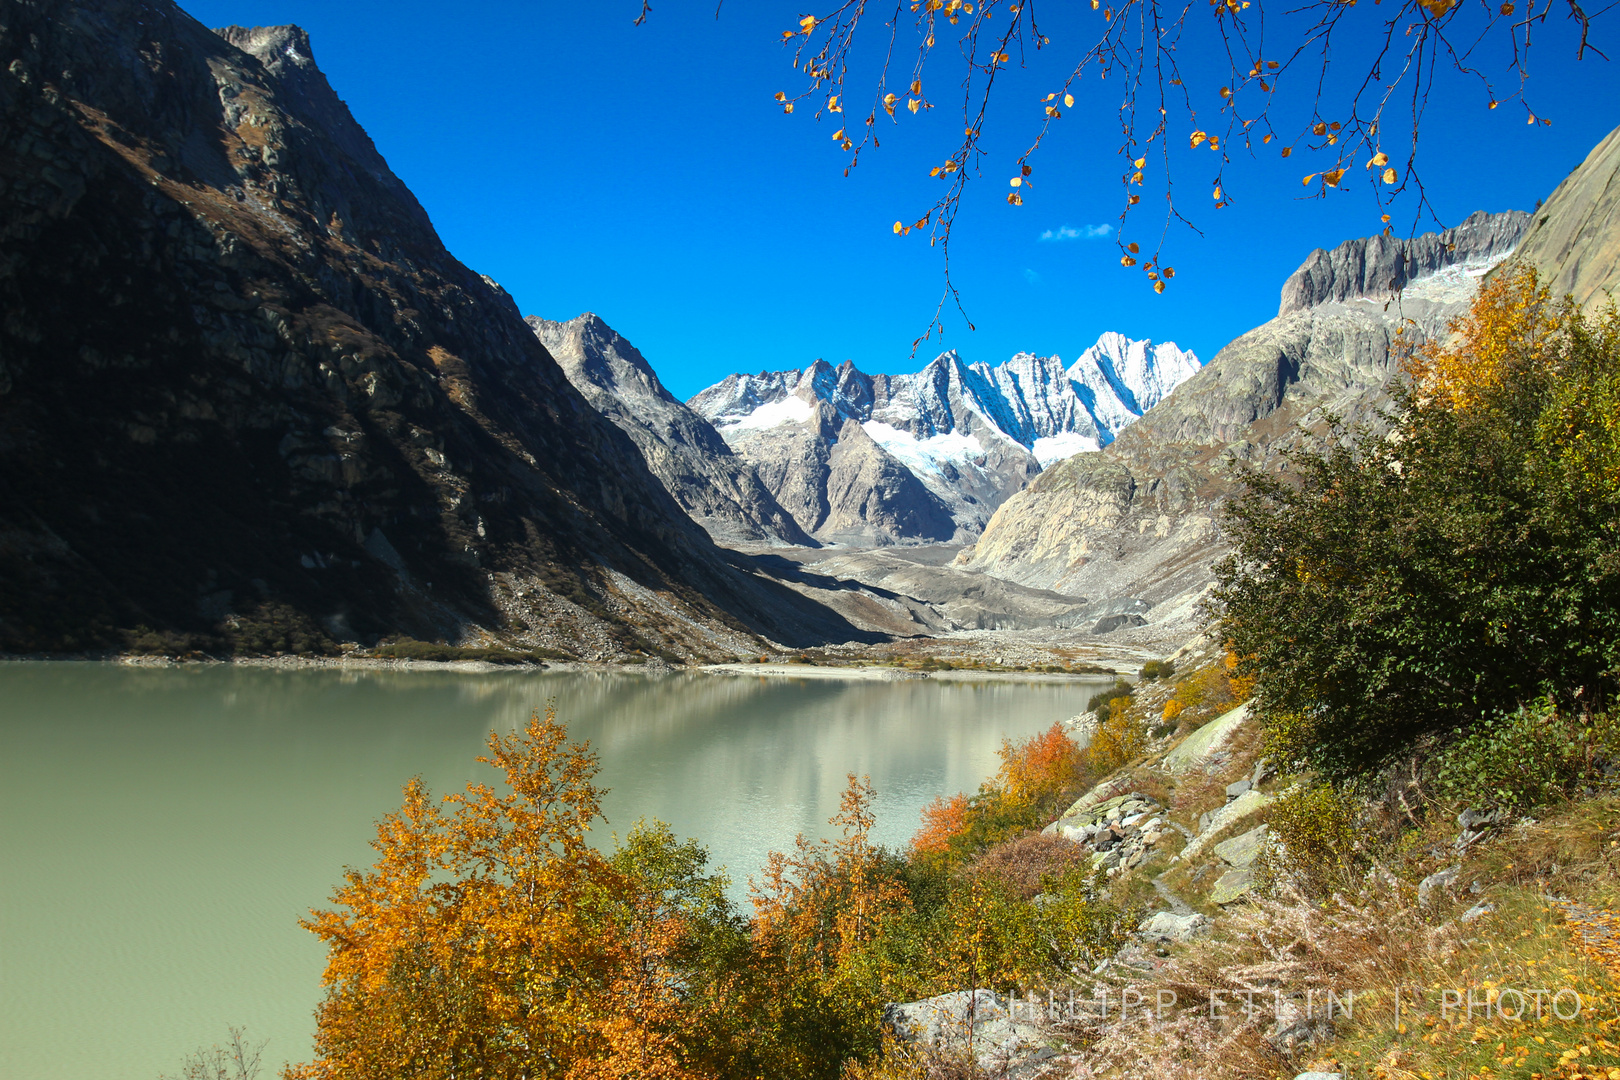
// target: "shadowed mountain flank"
[[716, 487], [249, 401]]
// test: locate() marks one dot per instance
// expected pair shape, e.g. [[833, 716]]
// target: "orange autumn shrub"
[[942, 819], [1512, 328], [1040, 766], [489, 939], [828, 900], [1240, 682]]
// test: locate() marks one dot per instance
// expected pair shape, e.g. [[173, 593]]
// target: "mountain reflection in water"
[[164, 828]]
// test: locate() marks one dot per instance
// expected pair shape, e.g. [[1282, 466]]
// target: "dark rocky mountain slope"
[[248, 400], [716, 487]]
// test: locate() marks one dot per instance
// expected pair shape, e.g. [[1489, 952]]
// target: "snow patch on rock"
[[927, 454], [972, 434], [788, 410], [1050, 448]]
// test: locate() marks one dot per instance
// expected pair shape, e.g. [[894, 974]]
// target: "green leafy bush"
[[1391, 586], [1102, 703], [1314, 840], [1158, 669], [1523, 759], [1079, 924]]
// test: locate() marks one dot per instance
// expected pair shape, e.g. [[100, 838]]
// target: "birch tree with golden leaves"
[[490, 940]]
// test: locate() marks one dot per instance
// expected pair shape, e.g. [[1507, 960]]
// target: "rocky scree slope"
[[1136, 524], [717, 488], [248, 400], [928, 456]]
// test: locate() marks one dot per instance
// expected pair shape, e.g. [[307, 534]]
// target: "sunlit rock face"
[[928, 456], [1574, 238], [715, 486], [248, 399], [1138, 521]]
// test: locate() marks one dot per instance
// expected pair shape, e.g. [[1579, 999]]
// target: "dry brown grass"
[[900, 1061], [1278, 950], [1574, 851], [1154, 784], [1198, 791], [1023, 863], [1287, 946]]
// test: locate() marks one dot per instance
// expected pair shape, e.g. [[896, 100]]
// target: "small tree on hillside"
[[1462, 565], [490, 940]]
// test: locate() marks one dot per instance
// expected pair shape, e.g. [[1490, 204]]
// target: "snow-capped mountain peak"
[[970, 433], [1027, 399]]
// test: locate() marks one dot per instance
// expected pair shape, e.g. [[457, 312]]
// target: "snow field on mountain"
[[925, 455], [1053, 448], [788, 410]]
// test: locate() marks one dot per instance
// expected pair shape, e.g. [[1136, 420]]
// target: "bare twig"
[[1577, 14]]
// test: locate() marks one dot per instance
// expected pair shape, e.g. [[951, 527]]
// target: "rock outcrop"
[[248, 400], [1574, 241], [1381, 267], [987, 1027], [718, 489], [929, 456], [1120, 832], [1138, 521]]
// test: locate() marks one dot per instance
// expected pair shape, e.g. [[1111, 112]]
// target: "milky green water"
[[162, 830]]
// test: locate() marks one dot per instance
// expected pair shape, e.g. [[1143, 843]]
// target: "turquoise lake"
[[165, 828]]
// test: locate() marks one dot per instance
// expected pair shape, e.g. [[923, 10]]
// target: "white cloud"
[[1031, 276], [1084, 232]]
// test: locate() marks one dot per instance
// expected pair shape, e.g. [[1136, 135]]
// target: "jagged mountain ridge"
[[966, 435], [1136, 523], [718, 489], [248, 399]]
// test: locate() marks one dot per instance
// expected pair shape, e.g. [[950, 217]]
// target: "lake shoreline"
[[171, 822], [873, 673]]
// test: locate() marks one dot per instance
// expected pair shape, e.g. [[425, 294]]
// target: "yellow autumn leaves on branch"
[[1142, 45]]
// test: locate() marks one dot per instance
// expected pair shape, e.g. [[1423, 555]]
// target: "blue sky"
[[647, 174]]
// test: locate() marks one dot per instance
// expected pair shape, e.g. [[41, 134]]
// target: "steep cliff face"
[[1574, 239], [1138, 522], [968, 435], [248, 400], [1380, 267], [717, 488]]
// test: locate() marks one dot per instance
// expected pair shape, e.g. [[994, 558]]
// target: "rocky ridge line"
[[718, 489], [1138, 521], [884, 459]]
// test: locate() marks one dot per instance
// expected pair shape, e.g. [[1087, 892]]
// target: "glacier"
[[968, 433], [1051, 409]]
